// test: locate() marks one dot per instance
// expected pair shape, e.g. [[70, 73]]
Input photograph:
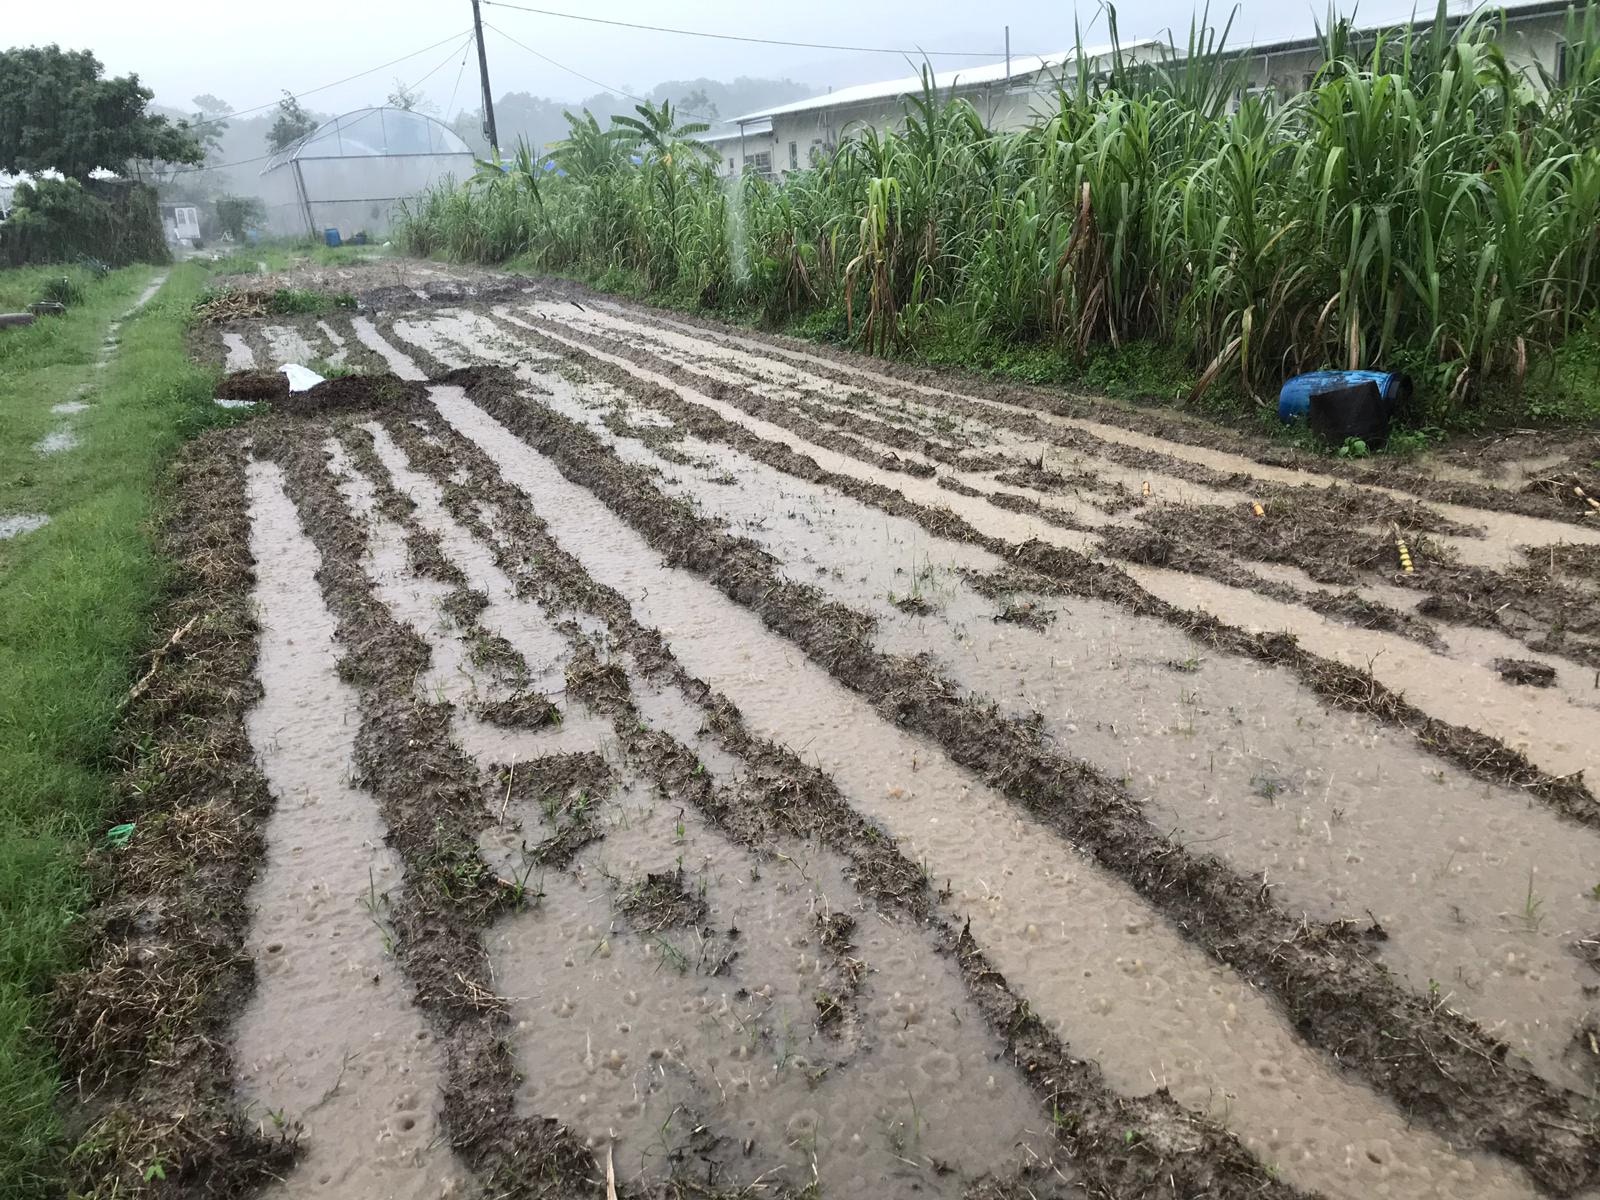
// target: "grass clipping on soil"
[[144, 1027]]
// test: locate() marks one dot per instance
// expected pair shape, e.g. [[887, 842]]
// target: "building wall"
[[1530, 41], [733, 153]]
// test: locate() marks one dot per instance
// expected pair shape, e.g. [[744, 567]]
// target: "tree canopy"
[[57, 112], [292, 124]]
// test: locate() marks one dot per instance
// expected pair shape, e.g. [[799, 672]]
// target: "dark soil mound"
[[1525, 670], [254, 385]]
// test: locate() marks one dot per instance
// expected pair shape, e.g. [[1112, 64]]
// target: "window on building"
[[759, 164], [1563, 62], [794, 156], [730, 165]]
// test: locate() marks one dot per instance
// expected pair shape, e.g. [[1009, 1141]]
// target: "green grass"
[[22, 286], [76, 599], [281, 255]]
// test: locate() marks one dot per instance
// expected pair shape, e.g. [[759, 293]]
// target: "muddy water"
[[16, 524], [716, 361], [338, 354], [329, 1037], [1341, 816], [632, 1035], [367, 334], [1088, 954], [1506, 529], [1544, 724], [286, 344], [237, 355], [1551, 732], [452, 675]]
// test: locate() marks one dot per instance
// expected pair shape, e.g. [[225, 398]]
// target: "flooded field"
[[703, 764]]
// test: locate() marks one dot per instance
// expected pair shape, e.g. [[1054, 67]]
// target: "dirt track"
[[795, 771]]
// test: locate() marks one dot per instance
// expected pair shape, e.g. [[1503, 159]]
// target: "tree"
[[654, 133], [235, 214], [58, 113], [210, 121], [699, 104], [409, 98], [292, 124]]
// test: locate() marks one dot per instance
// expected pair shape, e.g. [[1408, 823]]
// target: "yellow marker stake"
[[1260, 512]]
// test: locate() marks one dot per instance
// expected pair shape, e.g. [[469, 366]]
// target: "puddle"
[[16, 524], [237, 353], [399, 363], [1091, 958], [452, 675], [221, 403], [329, 1037], [640, 1035], [1507, 529], [69, 408], [286, 345], [1551, 732], [58, 441]]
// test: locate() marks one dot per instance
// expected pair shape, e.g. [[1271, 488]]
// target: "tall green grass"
[[1423, 204], [75, 604]]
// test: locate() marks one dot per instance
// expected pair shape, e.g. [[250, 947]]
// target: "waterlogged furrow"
[[421, 602], [706, 359], [397, 361], [1481, 895], [1507, 528], [1089, 955], [1550, 732], [329, 1037]]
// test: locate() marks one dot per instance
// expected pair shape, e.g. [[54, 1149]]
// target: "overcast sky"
[[248, 53]]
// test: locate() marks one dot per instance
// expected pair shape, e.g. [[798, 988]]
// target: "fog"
[[246, 57]]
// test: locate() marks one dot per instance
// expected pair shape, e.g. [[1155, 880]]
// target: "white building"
[[1012, 94], [1006, 94]]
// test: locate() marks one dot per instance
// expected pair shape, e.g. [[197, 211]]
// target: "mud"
[[1335, 681], [1239, 760], [873, 848], [1112, 830], [348, 393], [1180, 430], [143, 1028], [329, 1041]]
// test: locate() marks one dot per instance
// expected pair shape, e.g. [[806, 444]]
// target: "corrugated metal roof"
[[1023, 66]]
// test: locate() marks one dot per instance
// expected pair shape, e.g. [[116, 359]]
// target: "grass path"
[[75, 604]]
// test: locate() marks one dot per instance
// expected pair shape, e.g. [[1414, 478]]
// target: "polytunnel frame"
[[293, 154]]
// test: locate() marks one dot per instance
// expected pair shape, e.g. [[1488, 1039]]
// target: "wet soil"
[[779, 793], [144, 1028], [1289, 958], [1068, 571]]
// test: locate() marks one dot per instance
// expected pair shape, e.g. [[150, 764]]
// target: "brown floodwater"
[[1118, 983], [330, 1037]]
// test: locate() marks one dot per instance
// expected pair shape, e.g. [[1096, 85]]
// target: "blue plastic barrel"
[[331, 236], [1294, 401]]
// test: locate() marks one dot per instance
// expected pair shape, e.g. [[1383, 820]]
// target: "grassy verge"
[[75, 604]]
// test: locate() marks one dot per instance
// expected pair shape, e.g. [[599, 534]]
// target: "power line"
[[442, 65], [604, 87], [243, 112], [245, 162], [466, 49], [730, 37]]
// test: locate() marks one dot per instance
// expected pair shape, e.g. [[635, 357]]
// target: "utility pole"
[[488, 98], [1008, 46]]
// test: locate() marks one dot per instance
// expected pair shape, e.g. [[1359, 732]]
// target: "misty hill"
[[238, 148], [539, 119]]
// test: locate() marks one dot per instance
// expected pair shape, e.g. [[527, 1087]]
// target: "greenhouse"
[[350, 173]]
